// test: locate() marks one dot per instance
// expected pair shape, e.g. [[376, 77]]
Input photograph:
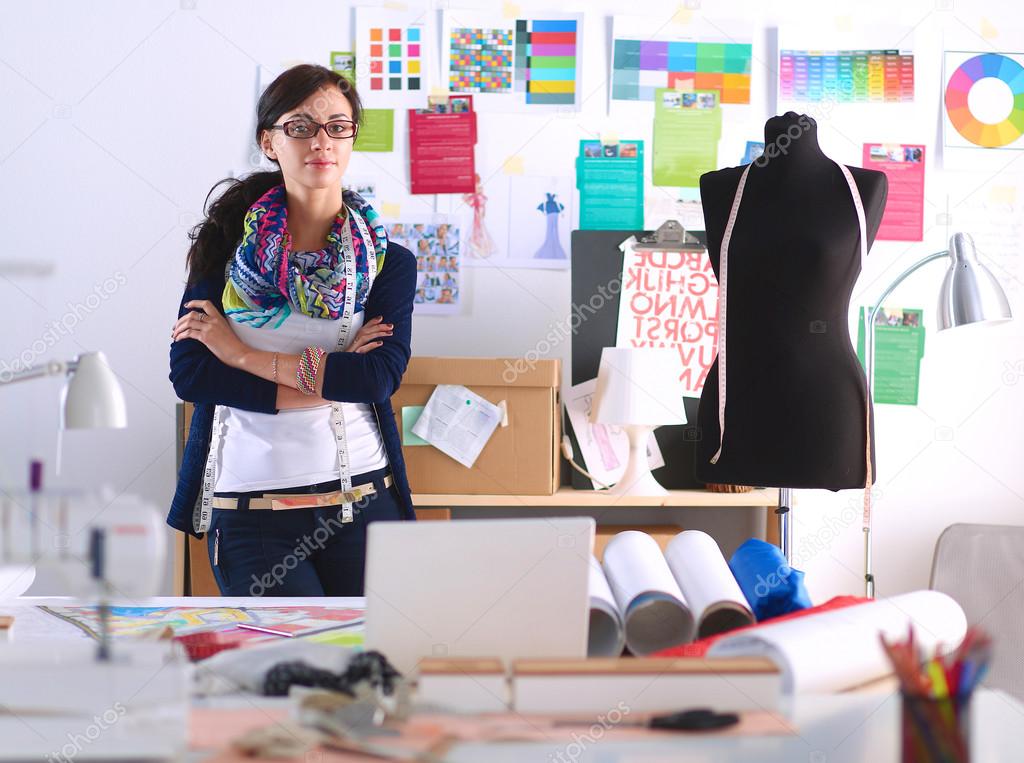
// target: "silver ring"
[[202, 317]]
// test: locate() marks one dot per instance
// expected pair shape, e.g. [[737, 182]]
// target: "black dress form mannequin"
[[795, 412]]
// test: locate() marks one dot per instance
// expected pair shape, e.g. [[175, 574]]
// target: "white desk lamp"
[[970, 294], [638, 389], [92, 397]]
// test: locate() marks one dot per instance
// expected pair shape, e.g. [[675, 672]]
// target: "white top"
[[297, 446]]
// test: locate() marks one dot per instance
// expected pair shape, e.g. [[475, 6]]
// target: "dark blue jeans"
[[297, 552]]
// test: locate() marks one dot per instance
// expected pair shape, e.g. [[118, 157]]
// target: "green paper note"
[[377, 132], [611, 183], [343, 62], [410, 415], [687, 127], [899, 347]]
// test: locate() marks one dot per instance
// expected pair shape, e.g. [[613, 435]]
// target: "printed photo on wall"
[[436, 246]]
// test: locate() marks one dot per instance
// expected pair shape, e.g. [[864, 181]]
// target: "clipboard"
[[596, 262]]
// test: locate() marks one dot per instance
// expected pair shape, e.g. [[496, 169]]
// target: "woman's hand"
[[206, 324], [368, 336]]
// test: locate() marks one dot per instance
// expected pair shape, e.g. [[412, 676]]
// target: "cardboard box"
[[519, 459]]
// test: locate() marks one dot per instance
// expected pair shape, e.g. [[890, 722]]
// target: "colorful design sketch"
[[479, 243], [480, 60], [137, 621], [846, 76], [545, 60], [551, 249], [639, 67]]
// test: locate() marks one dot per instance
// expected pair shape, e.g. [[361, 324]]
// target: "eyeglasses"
[[307, 128]]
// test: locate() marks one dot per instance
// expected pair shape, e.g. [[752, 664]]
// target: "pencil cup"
[[935, 730]]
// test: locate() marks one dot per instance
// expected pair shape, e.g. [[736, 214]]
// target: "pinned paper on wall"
[[442, 145], [343, 62], [903, 165], [670, 299], [529, 219], [393, 47], [983, 98], [645, 58], [436, 246], [377, 131], [687, 127], [866, 64], [512, 63], [610, 178], [899, 347]]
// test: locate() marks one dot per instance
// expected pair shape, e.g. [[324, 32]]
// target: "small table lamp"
[[638, 389]]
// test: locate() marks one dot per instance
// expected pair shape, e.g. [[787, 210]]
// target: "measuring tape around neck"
[[723, 285], [202, 513]]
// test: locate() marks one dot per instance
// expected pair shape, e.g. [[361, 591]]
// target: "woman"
[[292, 335]]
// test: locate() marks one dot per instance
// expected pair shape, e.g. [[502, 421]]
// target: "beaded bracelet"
[[305, 373], [275, 367]]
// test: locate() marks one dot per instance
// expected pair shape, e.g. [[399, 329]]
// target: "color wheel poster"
[[513, 63], [983, 100]]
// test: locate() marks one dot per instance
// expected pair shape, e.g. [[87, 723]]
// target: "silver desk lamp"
[[970, 294]]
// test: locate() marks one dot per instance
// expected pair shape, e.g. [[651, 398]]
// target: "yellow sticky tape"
[[683, 15], [391, 210], [510, 10], [1002, 194], [513, 165]]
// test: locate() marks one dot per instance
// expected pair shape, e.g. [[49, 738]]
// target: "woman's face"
[[317, 162]]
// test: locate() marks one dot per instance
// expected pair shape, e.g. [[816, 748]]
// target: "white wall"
[[119, 116]]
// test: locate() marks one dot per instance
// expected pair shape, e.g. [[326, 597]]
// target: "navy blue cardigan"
[[200, 377]]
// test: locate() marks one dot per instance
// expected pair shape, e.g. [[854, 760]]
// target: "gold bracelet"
[[275, 367]]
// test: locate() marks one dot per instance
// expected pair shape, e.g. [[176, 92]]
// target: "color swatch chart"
[[545, 60], [639, 67], [481, 61], [395, 59], [846, 76]]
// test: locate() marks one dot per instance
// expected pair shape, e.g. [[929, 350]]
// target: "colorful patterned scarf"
[[266, 280]]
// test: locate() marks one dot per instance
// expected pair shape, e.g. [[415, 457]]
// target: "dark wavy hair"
[[214, 239]]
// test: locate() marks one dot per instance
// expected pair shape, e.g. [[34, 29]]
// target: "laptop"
[[506, 588]]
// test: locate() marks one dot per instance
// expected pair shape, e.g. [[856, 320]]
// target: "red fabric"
[[699, 648]]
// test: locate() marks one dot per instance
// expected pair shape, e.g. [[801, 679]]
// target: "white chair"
[[982, 568]]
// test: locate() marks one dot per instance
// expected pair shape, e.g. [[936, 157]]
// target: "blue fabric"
[[298, 552], [771, 586], [373, 377]]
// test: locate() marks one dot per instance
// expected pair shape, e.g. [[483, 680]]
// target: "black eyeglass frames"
[[307, 128]]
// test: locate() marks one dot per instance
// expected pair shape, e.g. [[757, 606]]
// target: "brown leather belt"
[[278, 501]]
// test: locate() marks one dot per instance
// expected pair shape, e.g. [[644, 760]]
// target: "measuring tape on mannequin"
[[202, 513], [723, 286]]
